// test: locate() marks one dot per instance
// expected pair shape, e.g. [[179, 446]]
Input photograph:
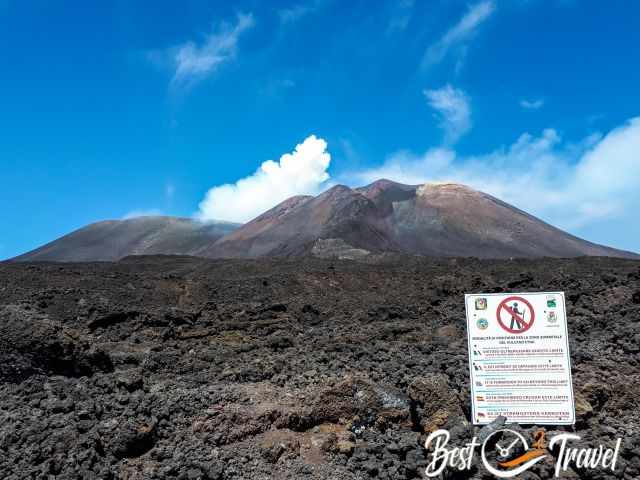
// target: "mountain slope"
[[113, 239], [454, 220], [292, 227], [432, 219]]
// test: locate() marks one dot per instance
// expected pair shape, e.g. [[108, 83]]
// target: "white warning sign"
[[519, 358]]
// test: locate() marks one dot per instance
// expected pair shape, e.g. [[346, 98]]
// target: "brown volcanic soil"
[[437, 220], [112, 240], [176, 367]]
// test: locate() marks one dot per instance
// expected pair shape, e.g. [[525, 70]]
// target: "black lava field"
[[184, 368]]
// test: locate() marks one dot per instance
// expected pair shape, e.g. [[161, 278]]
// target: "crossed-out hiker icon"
[[515, 316]]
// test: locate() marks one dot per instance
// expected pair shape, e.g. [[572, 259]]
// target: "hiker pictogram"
[[515, 315]]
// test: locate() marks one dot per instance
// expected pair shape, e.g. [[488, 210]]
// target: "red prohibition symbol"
[[516, 315]]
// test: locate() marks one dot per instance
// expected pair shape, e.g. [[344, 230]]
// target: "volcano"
[[114, 239], [433, 219]]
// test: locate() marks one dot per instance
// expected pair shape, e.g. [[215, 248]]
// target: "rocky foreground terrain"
[[177, 367]]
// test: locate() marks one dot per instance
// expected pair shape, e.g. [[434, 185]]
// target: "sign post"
[[519, 358]]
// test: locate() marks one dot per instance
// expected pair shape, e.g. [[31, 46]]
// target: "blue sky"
[[109, 109]]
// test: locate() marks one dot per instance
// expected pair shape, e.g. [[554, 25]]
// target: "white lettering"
[[583, 457], [442, 457], [461, 458]]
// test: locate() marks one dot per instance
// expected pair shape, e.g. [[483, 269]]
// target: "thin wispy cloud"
[[169, 194], [458, 35], [152, 212], [297, 12], [453, 111], [571, 185], [276, 87], [193, 61], [401, 16], [531, 104]]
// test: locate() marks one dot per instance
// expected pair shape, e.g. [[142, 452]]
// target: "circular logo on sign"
[[512, 454], [482, 323], [515, 315]]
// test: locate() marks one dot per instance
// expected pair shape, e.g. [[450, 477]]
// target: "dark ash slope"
[[114, 239], [432, 219], [439, 220]]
